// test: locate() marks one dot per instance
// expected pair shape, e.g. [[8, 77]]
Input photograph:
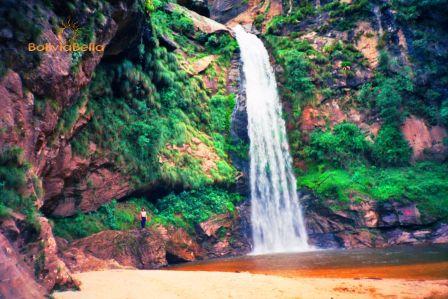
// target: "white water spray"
[[277, 221]]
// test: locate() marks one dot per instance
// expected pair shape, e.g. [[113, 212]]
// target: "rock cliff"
[[88, 139]]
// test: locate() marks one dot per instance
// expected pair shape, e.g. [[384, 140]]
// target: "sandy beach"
[[127, 284]]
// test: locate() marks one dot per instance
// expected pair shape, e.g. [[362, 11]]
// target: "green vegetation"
[[425, 24], [344, 163], [340, 148], [181, 210], [13, 185], [21, 26], [425, 183], [299, 13], [343, 16], [310, 73], [346, 145], [390, 148], [156, 122], [146, 107]]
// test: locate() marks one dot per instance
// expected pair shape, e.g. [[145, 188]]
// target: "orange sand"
[[114, 284]]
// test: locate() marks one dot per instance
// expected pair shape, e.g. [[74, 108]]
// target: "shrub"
[[390, 148], [341, 147]]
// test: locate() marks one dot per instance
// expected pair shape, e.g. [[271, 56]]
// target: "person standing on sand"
[[143, 218]]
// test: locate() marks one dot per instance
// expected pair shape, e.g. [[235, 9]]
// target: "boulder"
[[398, 214], [202, 64], [226, 234], [440, 235], [148, 248], [143, 249], [179, 245], [211, 226]]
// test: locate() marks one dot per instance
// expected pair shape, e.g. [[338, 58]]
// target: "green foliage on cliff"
[[181, 210], [390, 148], [425, 183], [344, 162], [345, 145], [343, 16], [13, 185], [425, 27], [146, 108]]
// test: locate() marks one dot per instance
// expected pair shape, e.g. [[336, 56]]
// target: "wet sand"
[[114, 284]]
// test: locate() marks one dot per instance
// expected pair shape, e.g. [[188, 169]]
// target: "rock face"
[[16, 277], [426, 142], [35, 91], [368, 224], [224, 10], [329, 114], [201, 23], [31, 122], [52, 271], [32, 272]]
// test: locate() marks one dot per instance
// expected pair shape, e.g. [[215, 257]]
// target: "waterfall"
[[276, 216]]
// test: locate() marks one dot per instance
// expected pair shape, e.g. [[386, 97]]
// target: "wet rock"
[[367, 224], [400, 237], [441, 234], [324, 240], [395, 213], [356, 239], [238, 126]]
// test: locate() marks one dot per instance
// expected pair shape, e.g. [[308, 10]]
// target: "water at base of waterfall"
[[276, 216]]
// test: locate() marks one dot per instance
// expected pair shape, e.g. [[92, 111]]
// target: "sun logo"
[[68, 30]]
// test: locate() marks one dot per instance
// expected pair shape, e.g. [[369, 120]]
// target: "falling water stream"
[[277, 220]]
